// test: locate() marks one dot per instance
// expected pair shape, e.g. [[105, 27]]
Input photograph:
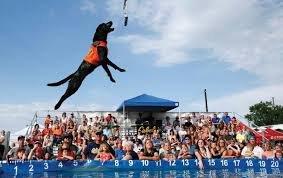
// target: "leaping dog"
[[96, 56]]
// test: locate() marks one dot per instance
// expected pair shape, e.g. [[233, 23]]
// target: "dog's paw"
[[122, 70], [112, 80]]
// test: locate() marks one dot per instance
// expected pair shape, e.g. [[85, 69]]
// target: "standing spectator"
[[194, 118], [64, 119], [176, 122], [47, 119], [226, 118], [215, 120], [109, 119], [2, 147]]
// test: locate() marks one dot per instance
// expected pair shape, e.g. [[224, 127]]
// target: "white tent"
[[14, 136]]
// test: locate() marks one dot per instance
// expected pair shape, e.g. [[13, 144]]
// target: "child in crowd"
[[104, 153]]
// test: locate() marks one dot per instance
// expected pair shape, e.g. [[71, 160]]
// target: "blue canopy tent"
[[147, 103]]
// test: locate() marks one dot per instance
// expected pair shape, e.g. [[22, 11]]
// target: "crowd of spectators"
[[192, 137]]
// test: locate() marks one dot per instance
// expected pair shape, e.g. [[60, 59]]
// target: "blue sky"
[[173, 49]]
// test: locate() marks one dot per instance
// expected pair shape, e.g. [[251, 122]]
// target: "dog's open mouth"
[[109, 24]]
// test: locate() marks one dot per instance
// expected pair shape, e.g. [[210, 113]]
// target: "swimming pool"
[[144, 168]]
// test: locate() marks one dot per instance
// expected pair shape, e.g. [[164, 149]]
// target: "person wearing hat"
[[12, 154], [93, 146]]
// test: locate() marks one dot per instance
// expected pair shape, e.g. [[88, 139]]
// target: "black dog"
[[96, 56]]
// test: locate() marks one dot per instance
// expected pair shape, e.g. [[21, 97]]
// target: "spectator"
[[215, 120], [203, 150], [226, 118], [47, 119], [46, 130], [148, 152], [129, 153], [268, 152], [37, 153], [232, 151], [252, 150], [65, 153], [184, 152], [104, 153], [93, 146], [2, 146], [176, 122], [167, 154], [19, 152]]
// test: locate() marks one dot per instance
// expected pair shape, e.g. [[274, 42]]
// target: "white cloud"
[[88, 6], [240, 102], [245, 34]]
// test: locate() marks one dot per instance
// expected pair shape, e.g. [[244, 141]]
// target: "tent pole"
[[124, 118], [179, 110]]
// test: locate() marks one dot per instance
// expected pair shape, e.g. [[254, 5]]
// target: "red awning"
[[273, 134]]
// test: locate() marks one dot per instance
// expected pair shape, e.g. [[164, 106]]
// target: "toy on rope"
[[125, 13]]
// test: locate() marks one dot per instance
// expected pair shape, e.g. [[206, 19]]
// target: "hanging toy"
[[125, 13]]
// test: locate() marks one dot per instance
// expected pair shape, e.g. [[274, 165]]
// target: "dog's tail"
[[60, 82]]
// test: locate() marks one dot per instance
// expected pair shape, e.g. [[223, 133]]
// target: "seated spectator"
[[215, 150], [119, 152], [109, 119], [278, 155], [46, 130], [104, 153], [93, 146], [167, 154], [268, 152], [232, 151], [138, 146], [36, 134], [191, 147], [184, 152], [222, 146], [247, 151], [148, 152], [19, 152], [203, 149], [65, 153], [84, 127], [57, 133], [129, 153], [37, 153], [2, 147]]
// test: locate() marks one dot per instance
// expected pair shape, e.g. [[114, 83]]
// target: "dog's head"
[[102, 30]]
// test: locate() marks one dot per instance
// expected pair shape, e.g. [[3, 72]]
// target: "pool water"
[[156, 174]]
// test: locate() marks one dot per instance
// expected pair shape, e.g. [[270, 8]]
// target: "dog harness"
[[92, 56]]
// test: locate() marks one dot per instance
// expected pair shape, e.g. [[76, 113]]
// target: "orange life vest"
[[92, 56]]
